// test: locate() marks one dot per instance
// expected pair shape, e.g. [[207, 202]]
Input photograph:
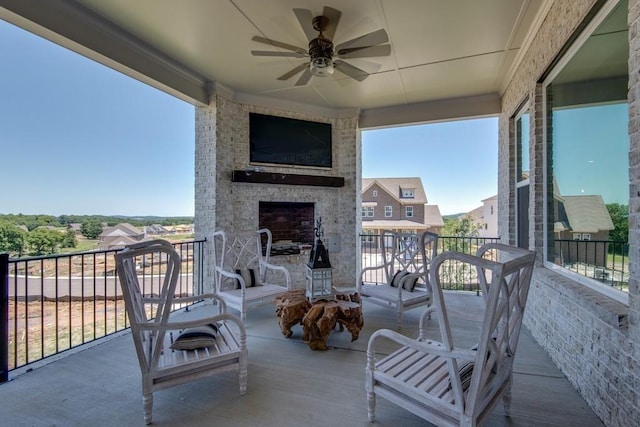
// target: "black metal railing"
[[58, 302], [604, 260], [456, 276]]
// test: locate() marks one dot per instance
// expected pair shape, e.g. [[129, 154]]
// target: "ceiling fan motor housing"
[[321, 54], [321, 50]]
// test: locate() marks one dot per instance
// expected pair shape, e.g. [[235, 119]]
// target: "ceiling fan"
[[322, 57]]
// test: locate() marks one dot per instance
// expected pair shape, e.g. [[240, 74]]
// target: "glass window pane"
[[588, 156], [523, 146]]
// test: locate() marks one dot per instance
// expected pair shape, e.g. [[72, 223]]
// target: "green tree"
[[463, 226], [91, 229], [461, 232], [620, 216], [43, 241], [69, 240], [12, 238]]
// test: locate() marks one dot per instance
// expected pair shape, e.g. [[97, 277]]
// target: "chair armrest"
[[230, 275], [429, 346], [205, 321], [200, 321], [372, 268], [197, 298], [269, 266]]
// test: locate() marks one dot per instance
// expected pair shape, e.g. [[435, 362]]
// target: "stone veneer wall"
[[222, 145], [593, 339]]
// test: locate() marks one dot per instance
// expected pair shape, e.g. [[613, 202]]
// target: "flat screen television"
[[285, 141]]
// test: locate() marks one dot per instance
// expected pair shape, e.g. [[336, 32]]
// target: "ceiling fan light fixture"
[[321, 66]]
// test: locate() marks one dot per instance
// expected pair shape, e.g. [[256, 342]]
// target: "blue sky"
[[79, 138]]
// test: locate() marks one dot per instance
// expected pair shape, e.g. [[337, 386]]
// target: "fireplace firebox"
[[291, 225]]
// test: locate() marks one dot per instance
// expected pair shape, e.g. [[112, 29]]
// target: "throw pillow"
[[410, 284], [398, 277], [465, 372], [248, 275], [195, 338]]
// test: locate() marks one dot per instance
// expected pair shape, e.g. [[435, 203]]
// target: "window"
[[586, 125], [409, 211], [522, 165], [375, 193], [408, 193], [367, 211], [388, 211]]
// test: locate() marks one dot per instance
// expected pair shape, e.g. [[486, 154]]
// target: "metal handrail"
[[59, 302]]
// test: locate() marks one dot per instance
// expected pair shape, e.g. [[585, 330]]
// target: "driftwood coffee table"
[[319, 318]]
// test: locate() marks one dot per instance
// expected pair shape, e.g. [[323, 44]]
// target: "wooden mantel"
[[286, 178]]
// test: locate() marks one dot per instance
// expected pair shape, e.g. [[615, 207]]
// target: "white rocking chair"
[[449, 385], [400, 281], [244, 276], [172, 352]]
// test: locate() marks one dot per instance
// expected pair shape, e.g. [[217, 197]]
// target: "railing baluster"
[[22, 344], [4, 318]]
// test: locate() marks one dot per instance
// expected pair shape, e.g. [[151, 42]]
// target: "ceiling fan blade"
[[370, 39], [304, 78], [366, 51], [350, 70], [276, 53], [334, 18], [279, 44], [293, 72], [305, 19]]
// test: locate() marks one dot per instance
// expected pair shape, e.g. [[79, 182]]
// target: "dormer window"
[[408, 193]]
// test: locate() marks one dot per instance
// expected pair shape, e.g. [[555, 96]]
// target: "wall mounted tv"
[[281, 140]]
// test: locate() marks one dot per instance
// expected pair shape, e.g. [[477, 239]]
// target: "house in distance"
[[398, 204]]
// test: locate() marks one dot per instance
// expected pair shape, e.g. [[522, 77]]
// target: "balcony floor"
[[289, 385]]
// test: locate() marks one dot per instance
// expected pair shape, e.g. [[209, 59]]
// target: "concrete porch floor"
[[289, 385]]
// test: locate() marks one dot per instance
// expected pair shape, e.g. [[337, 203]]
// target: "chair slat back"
[[242, 250], [409, 252], [507, 284], [158, 286]]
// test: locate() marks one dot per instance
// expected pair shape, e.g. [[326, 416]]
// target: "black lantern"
[[319, 283]]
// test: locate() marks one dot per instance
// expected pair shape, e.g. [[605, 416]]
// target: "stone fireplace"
[[233, 194], [291, 225]]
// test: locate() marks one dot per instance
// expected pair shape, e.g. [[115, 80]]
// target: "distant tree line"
[[34, 221], [46, 234]]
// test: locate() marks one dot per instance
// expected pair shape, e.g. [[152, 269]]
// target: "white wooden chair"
[[205, 341], [400, 280], [443, 383], [244, 277]]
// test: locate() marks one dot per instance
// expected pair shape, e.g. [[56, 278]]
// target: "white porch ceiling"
[[449, 59]]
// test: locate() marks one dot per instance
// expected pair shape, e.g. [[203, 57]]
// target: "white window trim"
[[603, 289], [407, 210], [388, 211], [375, 193], [367, 211]]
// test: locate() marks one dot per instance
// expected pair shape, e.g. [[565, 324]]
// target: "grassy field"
[[43, 328]]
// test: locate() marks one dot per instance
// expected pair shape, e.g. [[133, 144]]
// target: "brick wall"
[[593, 339], [222, 145]]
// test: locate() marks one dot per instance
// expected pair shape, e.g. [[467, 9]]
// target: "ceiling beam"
[[78, 28], [431, 111]]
